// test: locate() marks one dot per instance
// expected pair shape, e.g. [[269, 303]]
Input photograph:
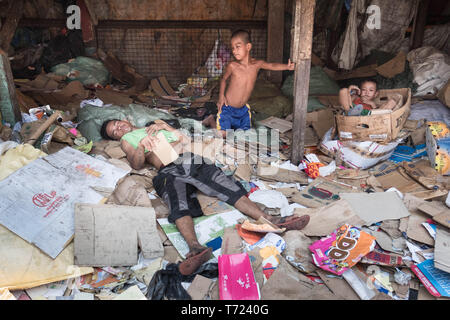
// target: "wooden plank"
[[275, 37], [303, 33], [87, 25], [13, 15], [419, 24], [9, 108]]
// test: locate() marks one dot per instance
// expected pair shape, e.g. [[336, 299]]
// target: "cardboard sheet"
[[109, 235], [286, 283], [325, 220], [376, 207], [321, 192], [37, 200], [164, 151], [24, 266], [277, 123], [441, 249]]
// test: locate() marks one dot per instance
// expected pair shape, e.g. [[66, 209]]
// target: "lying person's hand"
[[149, 143], [160, 125]]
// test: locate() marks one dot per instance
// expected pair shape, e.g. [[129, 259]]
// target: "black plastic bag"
[[167, 283]]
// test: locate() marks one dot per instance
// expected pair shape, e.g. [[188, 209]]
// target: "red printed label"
[[51, 202]]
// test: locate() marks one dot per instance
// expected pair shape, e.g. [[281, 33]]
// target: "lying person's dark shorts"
[[178, 182]]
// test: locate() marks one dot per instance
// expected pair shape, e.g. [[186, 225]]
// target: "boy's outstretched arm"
[[277, 66], [223, 84]]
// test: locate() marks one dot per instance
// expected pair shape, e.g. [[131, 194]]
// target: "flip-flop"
[[297, 223], [190, 265]]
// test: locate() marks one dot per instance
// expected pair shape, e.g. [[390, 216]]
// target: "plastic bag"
[[342, 249], [218, 59], [88, 71], [166, 283]]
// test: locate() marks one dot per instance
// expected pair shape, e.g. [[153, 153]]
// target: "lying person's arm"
[[136, 157], [161, 125]]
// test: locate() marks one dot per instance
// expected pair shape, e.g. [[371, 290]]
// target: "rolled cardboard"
[[33, 138]]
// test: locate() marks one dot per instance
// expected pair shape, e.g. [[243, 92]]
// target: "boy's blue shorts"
[[234, 118]]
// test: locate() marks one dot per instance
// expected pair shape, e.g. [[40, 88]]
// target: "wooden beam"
[[87, 25], [275, 37], [419, 24], [301, 55], [9, 106], [13, 15]]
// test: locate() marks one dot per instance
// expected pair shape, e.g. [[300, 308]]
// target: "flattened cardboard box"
[[321, 192], [37, 200], [378, 128], [109, 235]]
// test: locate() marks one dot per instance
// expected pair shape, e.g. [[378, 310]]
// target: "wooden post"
[[13, 15], [88, 23], [301, 49], [9, 105], [420, 21], [275, 32]]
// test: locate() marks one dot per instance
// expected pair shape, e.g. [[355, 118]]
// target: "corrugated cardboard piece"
[[37, 202], [376, 207], [164, 150], [109, 235], [320, 193], [325, 220]]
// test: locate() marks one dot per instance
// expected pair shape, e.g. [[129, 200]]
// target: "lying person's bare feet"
[[290, 223], [194, 260]]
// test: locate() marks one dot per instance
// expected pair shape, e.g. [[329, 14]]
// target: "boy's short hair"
[[243, 34], [370, 80], [103, 132]]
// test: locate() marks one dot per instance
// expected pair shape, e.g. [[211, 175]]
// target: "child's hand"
[[290, 65], [356, 88], [222, 101]]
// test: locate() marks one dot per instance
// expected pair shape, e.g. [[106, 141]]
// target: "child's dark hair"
[[369, 80], [103, 132], [243, 34]]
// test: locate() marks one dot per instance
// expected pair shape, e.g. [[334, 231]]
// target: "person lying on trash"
[[361, 102], [176, 183]]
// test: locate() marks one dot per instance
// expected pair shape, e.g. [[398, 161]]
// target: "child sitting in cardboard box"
[[363, 102]]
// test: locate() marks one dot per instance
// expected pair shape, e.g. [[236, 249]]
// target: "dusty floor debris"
[[78, 222]]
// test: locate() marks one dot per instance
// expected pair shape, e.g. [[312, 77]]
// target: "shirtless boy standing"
[[233, 110]]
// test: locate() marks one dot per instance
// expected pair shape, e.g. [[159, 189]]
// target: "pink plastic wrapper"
[[236, 278], [342, 249]]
